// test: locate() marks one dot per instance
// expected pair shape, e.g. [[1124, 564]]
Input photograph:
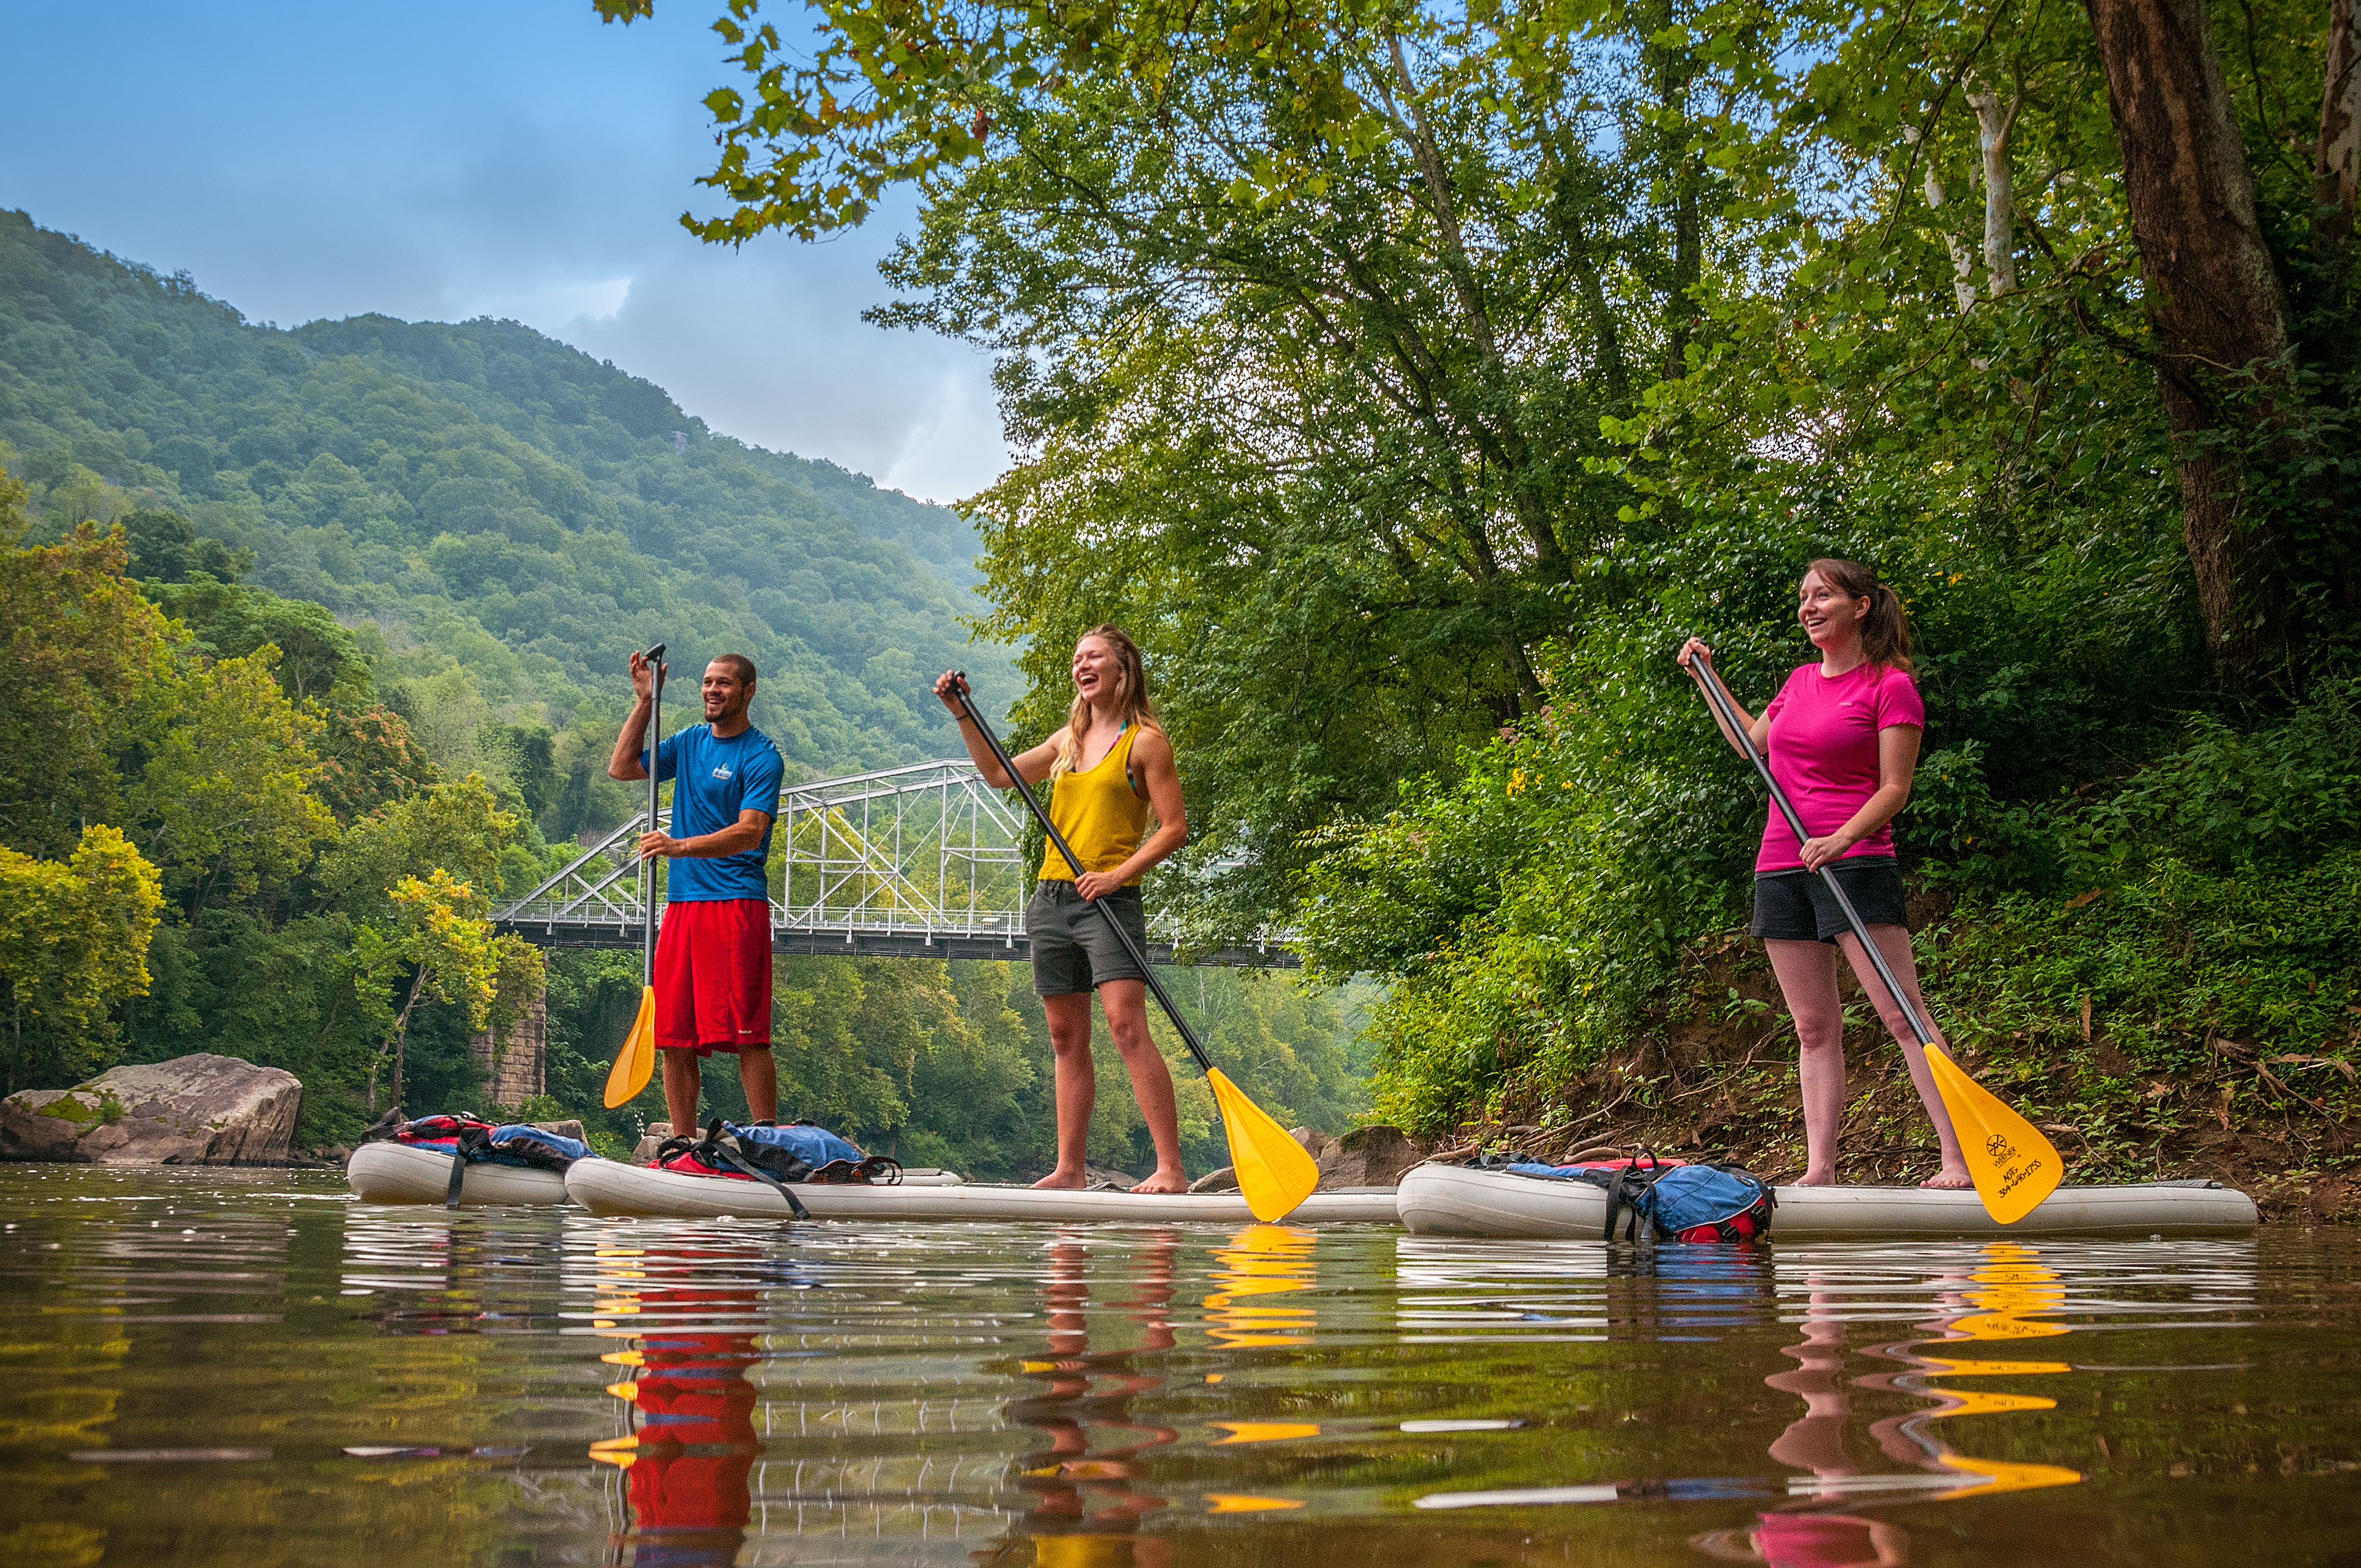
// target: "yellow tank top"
[[1099, 814]]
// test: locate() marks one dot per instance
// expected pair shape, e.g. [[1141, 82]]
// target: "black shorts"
[[1796, 905], [1073, 951]]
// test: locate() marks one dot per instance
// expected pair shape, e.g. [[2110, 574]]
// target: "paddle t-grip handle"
[[1718, 697], [1074, 864]]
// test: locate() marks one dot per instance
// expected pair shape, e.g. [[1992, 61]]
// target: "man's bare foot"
[[1948, 1180], [1164, 1181], [1067, 1181]]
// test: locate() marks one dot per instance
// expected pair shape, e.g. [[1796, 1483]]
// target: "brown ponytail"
[[1886, 631]]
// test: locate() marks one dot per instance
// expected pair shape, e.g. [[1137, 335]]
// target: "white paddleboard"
[[405, 1173], [1458, 1200], [610, 1187]]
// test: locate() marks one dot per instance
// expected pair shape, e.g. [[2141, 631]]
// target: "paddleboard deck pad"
[[1460, 1201], [611, 1187]]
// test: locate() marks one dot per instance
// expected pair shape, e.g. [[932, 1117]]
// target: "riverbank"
[[2126, 1093]]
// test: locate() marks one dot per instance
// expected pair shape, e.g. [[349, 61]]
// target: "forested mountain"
[[501, 515]]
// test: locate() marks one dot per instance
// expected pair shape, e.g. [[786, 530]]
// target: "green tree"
[[167, 548], [222, 794], [73, 941], [432, 940], [82, 646]]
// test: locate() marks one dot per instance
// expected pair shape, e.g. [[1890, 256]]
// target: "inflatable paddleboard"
[[1458, 1200], [406, 1173], [610, 1187]]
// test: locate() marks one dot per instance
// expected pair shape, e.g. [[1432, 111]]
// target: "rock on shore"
[[193, 1110], [1366, 1157]]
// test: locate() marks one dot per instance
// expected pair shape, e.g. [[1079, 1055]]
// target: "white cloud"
[[447, 161]]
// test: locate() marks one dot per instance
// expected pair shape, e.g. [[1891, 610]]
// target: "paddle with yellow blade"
[[2014, 1166], [1275, 1172], [636, 1062]]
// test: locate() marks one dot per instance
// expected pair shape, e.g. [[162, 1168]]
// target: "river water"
[[250, 1368]]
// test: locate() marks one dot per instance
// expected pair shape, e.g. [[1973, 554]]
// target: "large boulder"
[[651, 1138], [196, 1110], [1368, 1156], [1315, 1143]]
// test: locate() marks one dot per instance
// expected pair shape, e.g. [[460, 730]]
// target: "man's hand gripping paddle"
[[2014, 1166], [636, 1062], [1275, 1172]]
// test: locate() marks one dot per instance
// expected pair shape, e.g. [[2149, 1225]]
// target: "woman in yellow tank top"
[[1112, 767]]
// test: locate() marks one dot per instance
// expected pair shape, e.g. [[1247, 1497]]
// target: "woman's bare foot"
[[1814, 1179], [1948, 1180], [1164, 1181], [1066, 1180]]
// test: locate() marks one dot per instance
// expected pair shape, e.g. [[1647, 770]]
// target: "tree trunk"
[[2337, 166], [1994, 121], [1963, 261], [2214, 299]]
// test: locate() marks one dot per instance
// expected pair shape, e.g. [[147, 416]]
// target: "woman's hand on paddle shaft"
[[1095, 885], [1032, 766], [1818, 852], [1695, 658]]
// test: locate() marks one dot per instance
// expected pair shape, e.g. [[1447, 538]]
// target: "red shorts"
[[713, 976]]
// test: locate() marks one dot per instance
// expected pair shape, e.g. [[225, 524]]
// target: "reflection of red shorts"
[[710, 1408], [713, 976]]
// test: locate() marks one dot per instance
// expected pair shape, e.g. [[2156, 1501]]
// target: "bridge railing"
[[922, 859]]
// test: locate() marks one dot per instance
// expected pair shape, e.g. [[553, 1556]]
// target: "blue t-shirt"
[[718, 779]]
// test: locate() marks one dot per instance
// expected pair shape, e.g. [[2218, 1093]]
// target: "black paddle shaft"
[[647, 863], [1717, 696], [1074, 864]]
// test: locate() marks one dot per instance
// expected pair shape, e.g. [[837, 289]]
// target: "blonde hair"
[[1886, 631], [1130, 701]]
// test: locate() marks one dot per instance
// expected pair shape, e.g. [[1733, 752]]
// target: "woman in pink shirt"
[[1842, 737]]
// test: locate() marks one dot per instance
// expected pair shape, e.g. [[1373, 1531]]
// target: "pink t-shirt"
[[1824, 753]]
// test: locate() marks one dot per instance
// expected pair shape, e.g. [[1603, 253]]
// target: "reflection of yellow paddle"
[[635, 1063], [2014, 1166], [1275, 1172]]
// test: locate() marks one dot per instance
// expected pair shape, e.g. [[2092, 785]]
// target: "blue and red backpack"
[[1681, 1200]]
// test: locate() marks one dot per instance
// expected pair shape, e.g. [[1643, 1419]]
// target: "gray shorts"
[[1796, 905], [1073, 951]]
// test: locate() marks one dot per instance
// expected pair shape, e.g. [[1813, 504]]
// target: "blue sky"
[[436, 161]]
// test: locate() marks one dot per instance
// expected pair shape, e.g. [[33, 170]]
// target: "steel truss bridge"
[[916, 862]]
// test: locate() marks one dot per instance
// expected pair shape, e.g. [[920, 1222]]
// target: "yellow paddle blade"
[[1275, 1172], [2014, 1166], [636, 1062]]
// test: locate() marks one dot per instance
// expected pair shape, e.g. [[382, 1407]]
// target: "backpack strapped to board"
[[716, 1153], [804, 1151], [469, 1139], [1686, 1202]]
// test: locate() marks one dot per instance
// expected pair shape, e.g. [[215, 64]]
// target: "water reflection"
[[1090, 1501], [693, 1445], [244, 1370]]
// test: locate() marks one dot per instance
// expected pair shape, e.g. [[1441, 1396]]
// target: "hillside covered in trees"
[[318, 638], [501, 516]]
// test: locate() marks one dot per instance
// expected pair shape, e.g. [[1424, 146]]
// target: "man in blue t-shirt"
[[712, 979]]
